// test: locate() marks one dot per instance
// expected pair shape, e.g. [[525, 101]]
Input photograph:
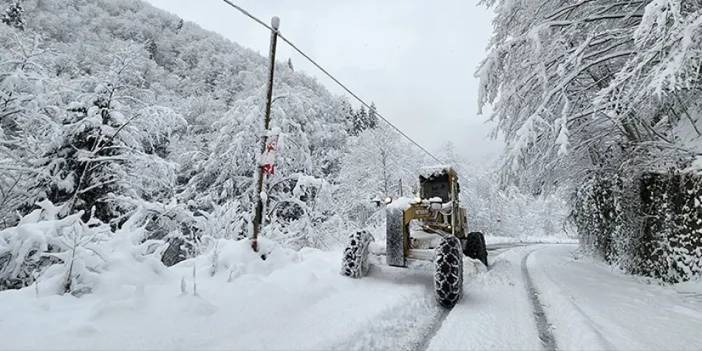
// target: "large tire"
[[448, 272], [355, 261], [475, 247]]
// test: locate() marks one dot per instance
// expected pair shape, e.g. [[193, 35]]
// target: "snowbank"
[[400, 204], [531, 239], [67, 255], [229, 298]]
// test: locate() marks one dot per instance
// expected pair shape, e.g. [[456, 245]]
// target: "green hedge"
[[649, 225]]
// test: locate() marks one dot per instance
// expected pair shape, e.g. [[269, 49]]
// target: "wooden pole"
[[258, 215]]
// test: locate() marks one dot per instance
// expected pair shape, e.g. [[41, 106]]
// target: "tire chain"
[[448, 274], [355, 260]]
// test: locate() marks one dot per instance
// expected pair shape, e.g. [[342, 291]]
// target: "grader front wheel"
[[448, 272]]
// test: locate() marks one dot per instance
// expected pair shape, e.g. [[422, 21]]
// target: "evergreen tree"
[[111, 145], [363, 119], [359, 121], [372, 120], [14, 16]]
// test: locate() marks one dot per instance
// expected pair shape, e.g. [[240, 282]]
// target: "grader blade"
[[395, 237]]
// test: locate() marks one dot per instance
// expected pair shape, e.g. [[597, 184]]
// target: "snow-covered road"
[[300, 301], [586, 305], [494, 313], [593, 307]]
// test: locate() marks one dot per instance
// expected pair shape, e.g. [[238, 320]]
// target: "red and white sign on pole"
[[268, 157]]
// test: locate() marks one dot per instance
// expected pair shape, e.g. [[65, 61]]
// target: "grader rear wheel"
[[355, 261], [448, 272], [475, 247]]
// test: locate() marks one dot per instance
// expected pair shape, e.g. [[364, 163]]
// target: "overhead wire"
[[323, 70]]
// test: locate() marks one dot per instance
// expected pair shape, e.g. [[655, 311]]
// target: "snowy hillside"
[[178, 105], [133, 156], [122, 111]]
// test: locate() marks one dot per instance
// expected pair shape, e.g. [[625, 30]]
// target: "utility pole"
[[258, 215]]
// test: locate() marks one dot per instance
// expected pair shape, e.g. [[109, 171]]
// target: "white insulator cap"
[[275, 22]]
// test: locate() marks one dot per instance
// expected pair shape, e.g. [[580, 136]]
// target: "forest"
[[119, 120], [138, 161], [117, 117]]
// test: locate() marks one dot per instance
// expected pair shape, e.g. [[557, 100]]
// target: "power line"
[[249, 15], [294, 47], [357, 98]]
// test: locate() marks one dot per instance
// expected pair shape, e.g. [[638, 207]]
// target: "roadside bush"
[[648, 225]]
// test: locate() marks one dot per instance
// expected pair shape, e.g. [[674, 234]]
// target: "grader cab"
[[429, 228]]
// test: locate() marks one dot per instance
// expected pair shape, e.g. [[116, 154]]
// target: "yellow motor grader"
[[429, 228]]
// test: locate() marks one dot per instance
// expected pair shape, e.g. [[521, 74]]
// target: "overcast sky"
[[414, 58]]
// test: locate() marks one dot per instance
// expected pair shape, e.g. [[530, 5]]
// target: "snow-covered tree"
[[363, 119], [110, 144], [584, 85], [28, 98], [596, 96], [378, 161], [14, 16]]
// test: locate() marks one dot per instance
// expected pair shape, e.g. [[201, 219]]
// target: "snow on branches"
[[597, 96], [572, 83]]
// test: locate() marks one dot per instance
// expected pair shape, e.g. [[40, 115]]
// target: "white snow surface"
[[530, 239], [494, 313], [594, 307], [401, 203], [589, 305], [292, 300], [298, 300], [434, 170]]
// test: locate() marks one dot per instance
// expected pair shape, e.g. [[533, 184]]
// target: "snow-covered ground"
[[594, 307], [298, 300], [292, 300], [530, 239], [494, 313]]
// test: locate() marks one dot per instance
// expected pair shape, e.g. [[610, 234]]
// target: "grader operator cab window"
[[436, 186]]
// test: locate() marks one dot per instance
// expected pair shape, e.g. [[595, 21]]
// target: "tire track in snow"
[[439, 320], [443, 314], [496, 313], [399, 328], [589, 322], [545, 329], [407, 323]]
